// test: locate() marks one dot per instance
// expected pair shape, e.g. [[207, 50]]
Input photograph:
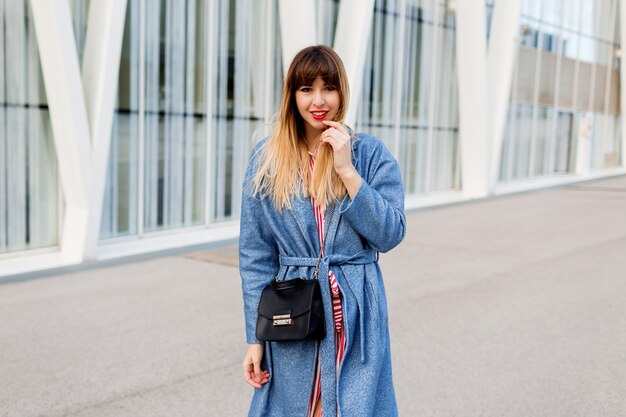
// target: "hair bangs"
[[316, 63]]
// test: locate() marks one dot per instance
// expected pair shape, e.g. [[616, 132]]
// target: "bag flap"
[[284, 298]]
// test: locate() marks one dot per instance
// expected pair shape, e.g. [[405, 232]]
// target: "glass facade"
[[30, 198], [247, 93], [327, 11], [120, 212], [489, 16], [80, 12], [409, 98], [196, 85], [200, 80], [565, 89]]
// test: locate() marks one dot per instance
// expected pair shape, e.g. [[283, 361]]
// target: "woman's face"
[[317, 102]]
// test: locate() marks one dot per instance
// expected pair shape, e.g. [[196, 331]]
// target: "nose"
[[318, 98]]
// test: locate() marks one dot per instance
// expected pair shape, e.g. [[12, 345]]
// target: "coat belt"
[[363, 257], [366, 256]]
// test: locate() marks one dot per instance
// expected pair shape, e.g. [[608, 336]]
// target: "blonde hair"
[[283, 170]]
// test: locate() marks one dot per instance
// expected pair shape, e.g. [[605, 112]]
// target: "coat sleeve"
[[377, 210], [258, 253]]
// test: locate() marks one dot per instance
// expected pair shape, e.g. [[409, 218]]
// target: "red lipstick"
[[319, 115]]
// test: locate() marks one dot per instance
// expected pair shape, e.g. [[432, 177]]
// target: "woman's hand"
[[338, 138], [252, 366]]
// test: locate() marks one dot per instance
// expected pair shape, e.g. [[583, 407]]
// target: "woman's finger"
[[252, 366], [328, 139], [257, 371], [251, 378], [248, 375], [335, 135], [336, 130], [337, 125], [338, 141]]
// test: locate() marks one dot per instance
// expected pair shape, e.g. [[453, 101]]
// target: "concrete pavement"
[[511, 306]]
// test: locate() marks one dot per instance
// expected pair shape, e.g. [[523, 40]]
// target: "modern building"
[[126, 125]]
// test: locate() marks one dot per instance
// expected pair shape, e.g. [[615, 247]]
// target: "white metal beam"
[[70, 126], [587, 132], [622, 69], [81, 109], [473, 106], [503, 45], [352, 34], [101, 63], [297, 27]]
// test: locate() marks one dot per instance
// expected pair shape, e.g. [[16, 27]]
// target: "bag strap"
[[323, 243]]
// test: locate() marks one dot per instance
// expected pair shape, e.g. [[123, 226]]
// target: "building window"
[[410, 97], [197, 84], [30, 197], [565, 89]]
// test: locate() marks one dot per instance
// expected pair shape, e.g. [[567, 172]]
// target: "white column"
[[70, 126], [503, 45], [584, 136], [471, 49], [297, 27], [101, 63], [622, 68], [354, 24]]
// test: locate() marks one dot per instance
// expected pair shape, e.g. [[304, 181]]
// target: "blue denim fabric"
[[285, 244]]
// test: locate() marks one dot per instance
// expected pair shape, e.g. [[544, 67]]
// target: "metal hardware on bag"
[[282, 320]]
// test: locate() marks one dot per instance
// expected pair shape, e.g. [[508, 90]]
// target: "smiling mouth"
[[319, 115]]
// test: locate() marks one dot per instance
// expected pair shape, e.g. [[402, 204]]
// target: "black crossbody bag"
[[293, 309]]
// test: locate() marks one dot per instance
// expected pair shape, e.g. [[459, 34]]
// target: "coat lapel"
[[334, 225], [304, 220]]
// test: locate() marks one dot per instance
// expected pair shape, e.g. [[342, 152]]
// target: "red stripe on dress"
[[340, 337]]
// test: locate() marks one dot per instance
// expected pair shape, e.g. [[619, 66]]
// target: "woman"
[[313, 162]]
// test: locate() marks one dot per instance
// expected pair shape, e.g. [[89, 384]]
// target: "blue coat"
[[286, 244]]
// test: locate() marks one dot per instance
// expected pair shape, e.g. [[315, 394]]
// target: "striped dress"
[[340, 339]]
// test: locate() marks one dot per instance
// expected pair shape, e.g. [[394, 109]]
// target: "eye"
[[305, 89], [330, 88]]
